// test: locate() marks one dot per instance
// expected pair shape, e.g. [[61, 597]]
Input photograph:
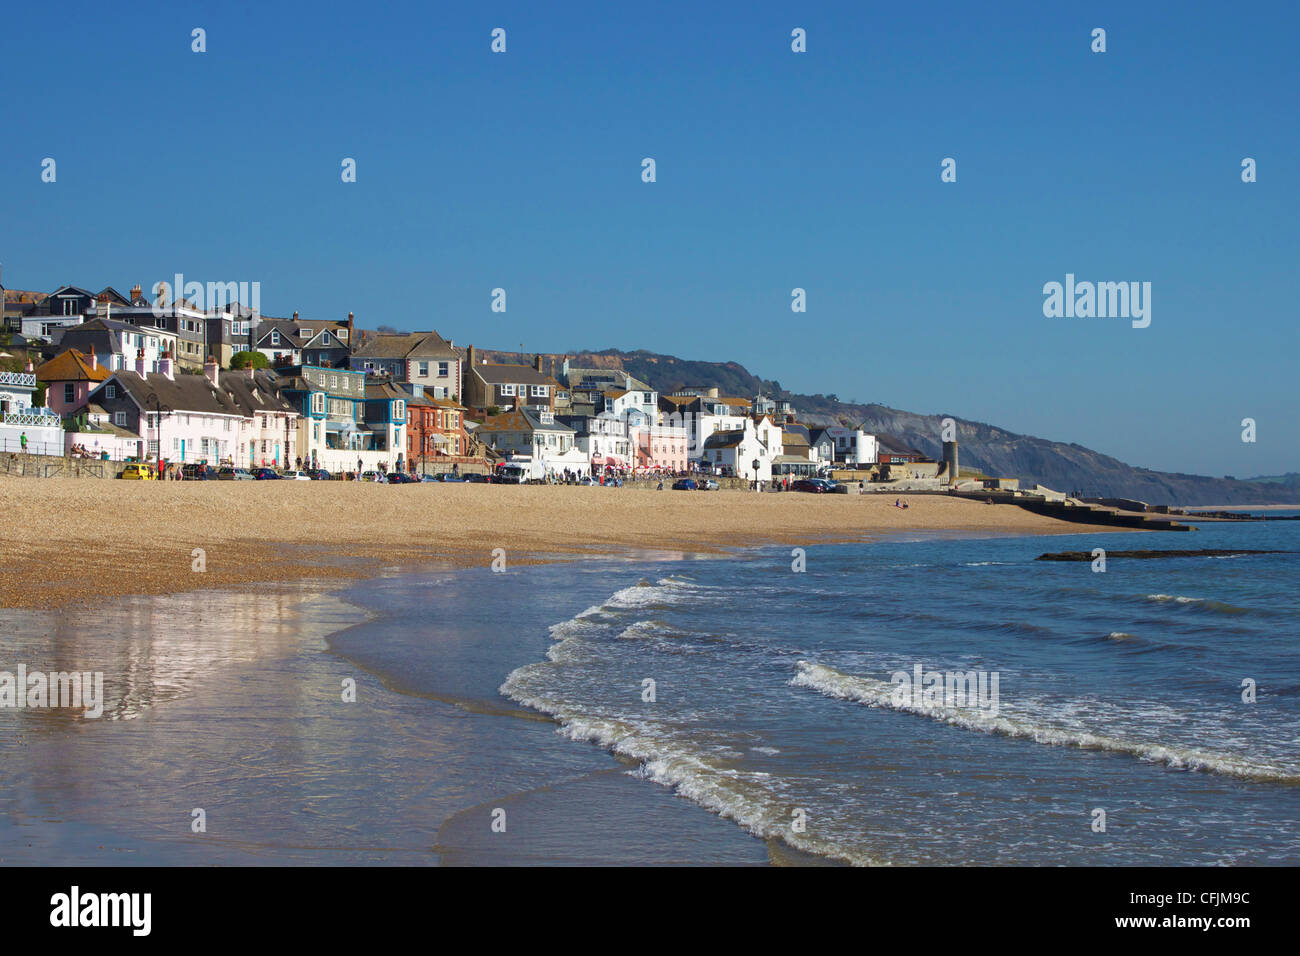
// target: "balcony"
[[20, 379], [33, 418]]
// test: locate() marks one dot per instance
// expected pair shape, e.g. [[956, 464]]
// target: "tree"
[[246, 359]]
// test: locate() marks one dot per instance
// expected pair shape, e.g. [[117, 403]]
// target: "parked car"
[[447, 476], [708, 484], [478, 479], [400, 478], [375, 476], [685, 484], [811, 485], [510, 475], [139, 472], [266, 474], [198, 473], [296, 476], [227, 473], [320, 474]]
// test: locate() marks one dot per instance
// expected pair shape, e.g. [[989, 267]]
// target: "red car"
[[803, 484]]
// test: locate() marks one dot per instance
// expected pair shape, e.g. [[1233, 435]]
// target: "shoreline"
[[167, 538]]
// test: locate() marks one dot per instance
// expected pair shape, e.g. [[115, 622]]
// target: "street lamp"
[[158, 409], [755, 463]]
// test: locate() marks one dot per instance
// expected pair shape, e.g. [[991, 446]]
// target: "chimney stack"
[[350, 330], [165, 364], [295, 315], [94, 360], [136, 293], [472, 356], [537, 362], [212, 370], [139, 364]]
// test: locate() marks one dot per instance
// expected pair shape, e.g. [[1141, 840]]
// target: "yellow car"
[[136, 472]]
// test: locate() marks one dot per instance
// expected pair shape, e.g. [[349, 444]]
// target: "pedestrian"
[[22, 440]]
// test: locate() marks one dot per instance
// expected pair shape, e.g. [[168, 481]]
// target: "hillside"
[[993, 450]]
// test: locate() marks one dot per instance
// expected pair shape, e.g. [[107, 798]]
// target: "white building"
[[734, 451], [853, 446], [19, 419]]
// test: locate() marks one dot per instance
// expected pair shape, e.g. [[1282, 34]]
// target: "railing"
[[21, 379], [30, 419], [54, 449]]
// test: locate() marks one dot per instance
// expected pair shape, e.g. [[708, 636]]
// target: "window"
[[176, 443], [110, 391], [119, 419], [442, 369], [69, 393], [506, 389], [424, 370], [275, 340], [539, 391], [318, 402], [399, 410], [69, 306]]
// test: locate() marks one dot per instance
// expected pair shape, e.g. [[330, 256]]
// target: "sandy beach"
[[72, 541]]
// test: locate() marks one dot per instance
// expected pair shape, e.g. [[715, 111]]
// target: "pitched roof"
[[287, 328], [407, 345], [513, 375], [725, 439], [70, 366], [520, 420], [238, 395], [384, 389], [893, 446]]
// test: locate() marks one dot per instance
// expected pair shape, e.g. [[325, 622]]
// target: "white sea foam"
[[878, 693], [751, 799], [1176, 598]]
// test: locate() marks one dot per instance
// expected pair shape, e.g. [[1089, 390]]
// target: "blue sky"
[[775, 170]]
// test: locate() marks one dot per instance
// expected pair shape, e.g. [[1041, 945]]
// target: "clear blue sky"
[[775, 170]]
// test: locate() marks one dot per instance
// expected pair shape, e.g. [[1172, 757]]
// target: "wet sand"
[[73, 541]]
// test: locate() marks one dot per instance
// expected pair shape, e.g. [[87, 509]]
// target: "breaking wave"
[[878, 693]]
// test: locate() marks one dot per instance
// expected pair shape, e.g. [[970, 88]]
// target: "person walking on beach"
[[22, 441]]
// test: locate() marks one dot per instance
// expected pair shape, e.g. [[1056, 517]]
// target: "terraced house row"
[[123, 377]]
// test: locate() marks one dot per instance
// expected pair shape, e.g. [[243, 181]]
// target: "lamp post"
[[158, 409], [756, 463]]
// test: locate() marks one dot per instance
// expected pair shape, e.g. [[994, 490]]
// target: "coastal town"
[[151, 386]]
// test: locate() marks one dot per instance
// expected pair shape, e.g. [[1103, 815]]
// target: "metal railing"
[[53, 449], [21, 379]]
